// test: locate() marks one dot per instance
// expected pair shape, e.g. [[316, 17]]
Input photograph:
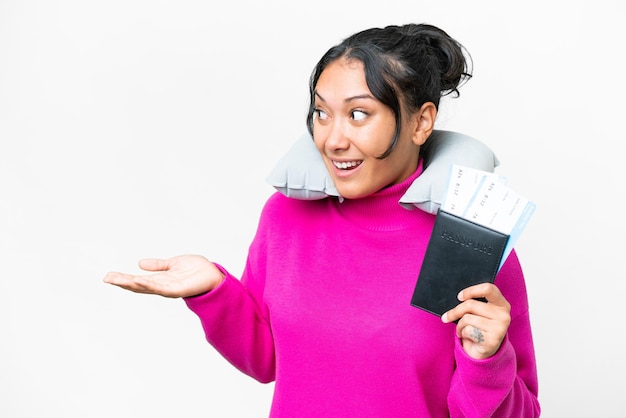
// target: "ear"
[[424, 122]]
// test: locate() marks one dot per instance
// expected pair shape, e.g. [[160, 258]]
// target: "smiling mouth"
[[347, 165]]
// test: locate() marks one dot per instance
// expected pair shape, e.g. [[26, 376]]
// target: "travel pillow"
[[301, 173]]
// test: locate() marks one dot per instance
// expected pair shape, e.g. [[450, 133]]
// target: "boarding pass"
[[485, 199]]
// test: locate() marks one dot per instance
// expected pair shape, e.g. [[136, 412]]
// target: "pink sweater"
[[323, 308]]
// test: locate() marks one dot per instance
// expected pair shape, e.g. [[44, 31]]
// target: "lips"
[[347, 165]]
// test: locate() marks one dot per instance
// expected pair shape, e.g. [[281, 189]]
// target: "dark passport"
[[460, 254]]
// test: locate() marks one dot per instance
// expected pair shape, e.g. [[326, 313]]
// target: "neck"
[[381, 211]]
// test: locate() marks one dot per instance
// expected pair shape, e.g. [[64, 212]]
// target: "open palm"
[[180, 276]]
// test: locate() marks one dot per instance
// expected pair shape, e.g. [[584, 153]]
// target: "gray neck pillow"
[[301, 173]]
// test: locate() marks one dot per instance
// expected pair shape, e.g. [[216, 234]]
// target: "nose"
[[335, 137]]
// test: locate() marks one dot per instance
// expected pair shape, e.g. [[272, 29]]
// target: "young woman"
[[323, 306]]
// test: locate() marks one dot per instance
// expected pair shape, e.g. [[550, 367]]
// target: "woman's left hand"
[[482, 326]]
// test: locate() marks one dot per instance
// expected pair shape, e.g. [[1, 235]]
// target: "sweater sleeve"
[[504, 385], [235, 318], [235, 325]]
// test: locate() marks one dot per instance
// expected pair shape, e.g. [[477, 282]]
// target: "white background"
[[137, 128]]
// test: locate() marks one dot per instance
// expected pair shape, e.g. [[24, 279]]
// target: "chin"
[[352, 194]]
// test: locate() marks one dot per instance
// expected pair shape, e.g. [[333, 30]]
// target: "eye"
[[320, 114], [358, 115]]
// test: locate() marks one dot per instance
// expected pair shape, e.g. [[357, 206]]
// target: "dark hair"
[[416, 63]]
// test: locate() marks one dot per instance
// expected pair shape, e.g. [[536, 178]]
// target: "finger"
[[155, 264], [485, 292], [137, 284], [135, 288], [478, 292], [478, 342], [472, 306], [481, 331], [469, 320], [473, 327], [152, 284], [117, 278], [123, 280], [481, 290], [126, 281], [473, 333], [491, 330]]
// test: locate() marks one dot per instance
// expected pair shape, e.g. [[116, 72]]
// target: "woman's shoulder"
[[278, 203], [282, 209]]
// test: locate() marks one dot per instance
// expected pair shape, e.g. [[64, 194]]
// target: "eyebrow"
[[348, 99]]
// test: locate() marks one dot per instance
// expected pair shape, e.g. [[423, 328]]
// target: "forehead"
[[342, 78]]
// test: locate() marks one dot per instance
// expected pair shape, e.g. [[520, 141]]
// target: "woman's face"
[[351, 128]]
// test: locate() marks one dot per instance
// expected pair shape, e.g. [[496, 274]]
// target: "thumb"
[[154, 264]]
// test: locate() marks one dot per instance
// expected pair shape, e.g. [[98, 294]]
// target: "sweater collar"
[[381, 211]]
